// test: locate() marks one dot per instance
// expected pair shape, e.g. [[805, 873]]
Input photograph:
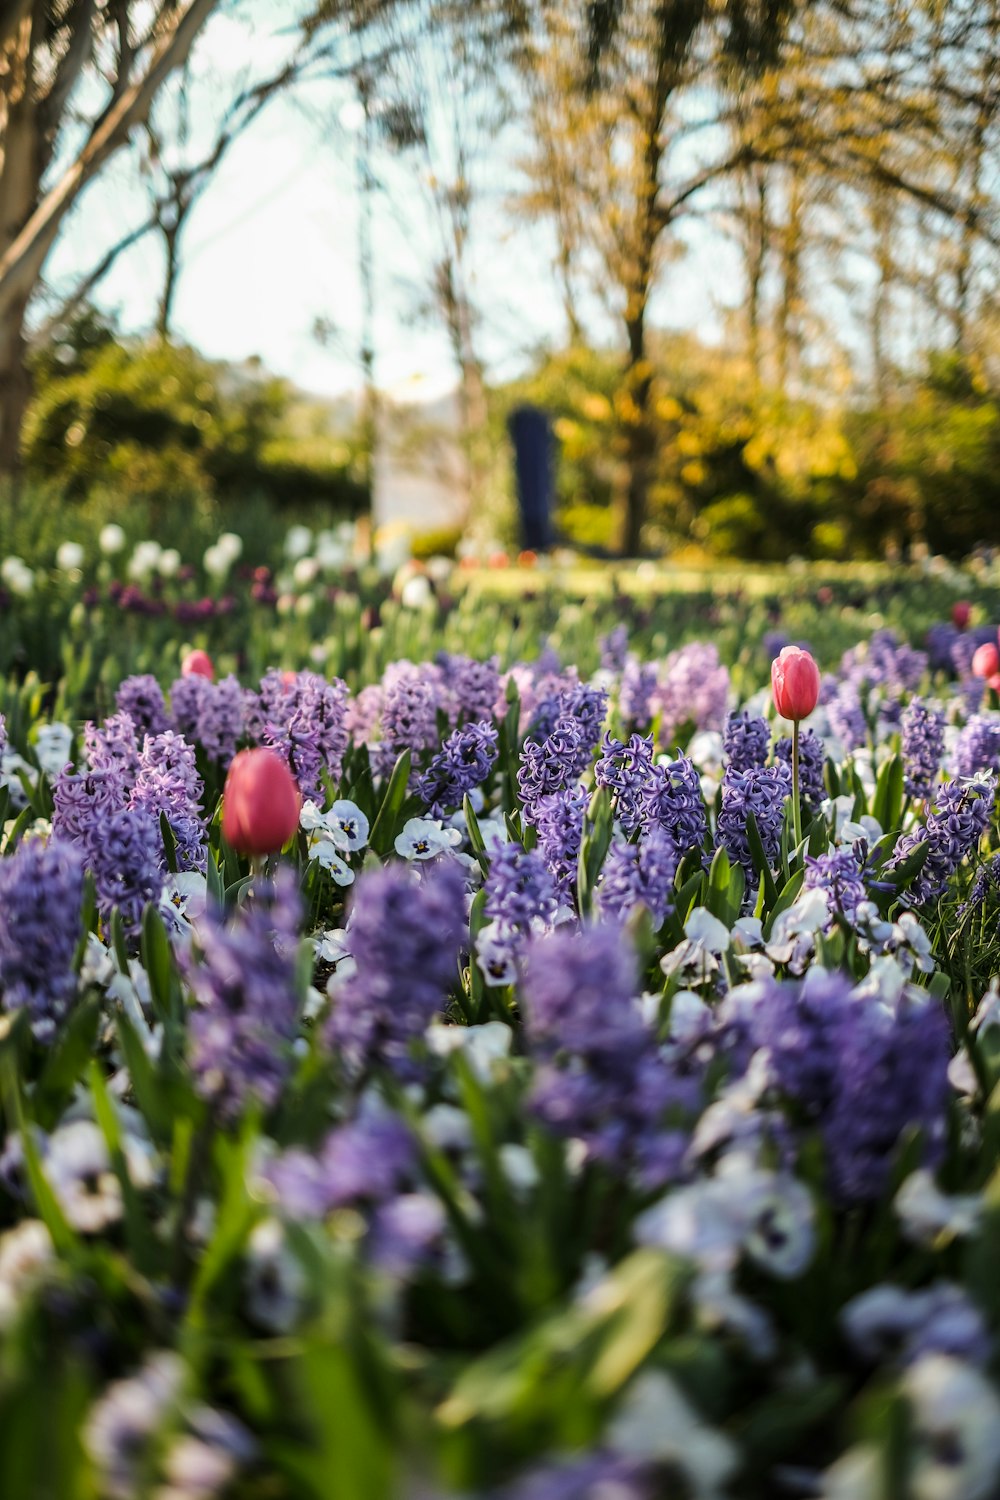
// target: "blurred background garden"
[[267, 262]]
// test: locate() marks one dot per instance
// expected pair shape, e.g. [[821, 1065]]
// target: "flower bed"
[[504, 1082]]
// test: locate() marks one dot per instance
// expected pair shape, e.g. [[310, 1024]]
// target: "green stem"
[[796, 805]]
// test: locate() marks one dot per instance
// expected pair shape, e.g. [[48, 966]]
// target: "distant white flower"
[[111, 539], [216, 562], [53, 746], [69, 556], [170, 561], [484, 1045], [519, 1167], [25, 1251], [423, 838], [231, 544], [78, 1166], [856, 1475], [416, 592], [274, 1279], [18, 577], [305, 571], [298, 540], [144, 560]]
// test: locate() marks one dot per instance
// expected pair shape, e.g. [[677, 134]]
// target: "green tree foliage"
[[746, 471], [160, 423]]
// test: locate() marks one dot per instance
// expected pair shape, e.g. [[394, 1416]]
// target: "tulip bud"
[[986, 660], [961, 611], [794, 683], [260, 803], [197, 664]]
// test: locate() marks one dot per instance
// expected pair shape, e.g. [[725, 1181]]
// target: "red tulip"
[[260, 803], [986, 660], [197, 664], [960, 613], [993, 683], [794, 683]]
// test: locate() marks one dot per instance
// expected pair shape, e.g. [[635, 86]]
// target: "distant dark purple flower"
[[405, 936], [551, 765], [763, 792], [246, 1006], [409, 716], [639, 874], [364, 1162], [672, 800], [636, 693], [558, 820], [84, 802], [953, 830], [978, 745], [614, 648], [625, 769], [596, 1476], [168, 784], [142, 699], [472, 687], [463, 763], [693, 689], [41, 894], [747, 741], [942, 637], [890, 1322], [307, 724], [3, 734], [519, 888], [863, 1076], [812, 758], [125, 862], [847, 718], [114, 746], [922, 746], [600, 1075], [838, 874]]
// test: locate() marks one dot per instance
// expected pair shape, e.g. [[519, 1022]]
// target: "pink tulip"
[[794, 683], [961, 611], [986, 660], [260, 803], [198, 664]]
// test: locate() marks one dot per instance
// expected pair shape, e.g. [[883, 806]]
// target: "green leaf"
[[158, 961], [66, 1062], [387, 823], [145, 1252], [760, 864], [888, 802]]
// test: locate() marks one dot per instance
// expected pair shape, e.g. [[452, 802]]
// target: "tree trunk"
[[15, 387], [640, 442]]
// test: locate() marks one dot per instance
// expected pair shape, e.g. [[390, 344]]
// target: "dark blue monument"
[[531, 433]]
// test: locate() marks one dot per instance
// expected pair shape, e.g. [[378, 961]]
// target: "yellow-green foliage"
[[744, 471]]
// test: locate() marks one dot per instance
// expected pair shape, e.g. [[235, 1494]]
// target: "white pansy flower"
[[656, 1421], [711, 934], [347, 826], [328, 857], [495, 955], [926, 1213], [423, 838], [484, 1045], [956, 1443]]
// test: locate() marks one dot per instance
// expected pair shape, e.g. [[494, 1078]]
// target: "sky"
[[272, 245]]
